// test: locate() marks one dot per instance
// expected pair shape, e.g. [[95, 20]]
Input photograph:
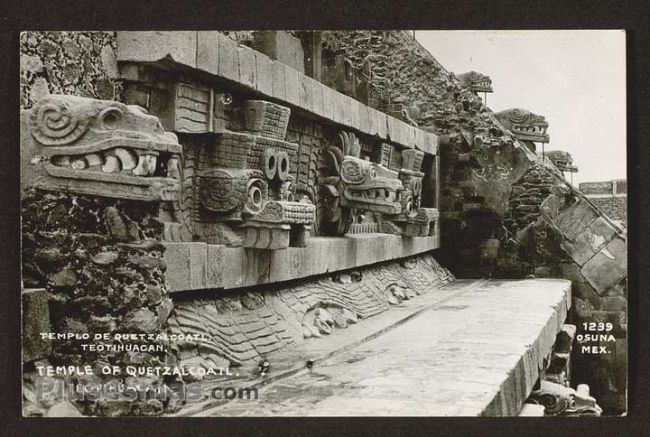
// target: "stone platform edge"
[[520, 381], [198, 265], [214, 53]]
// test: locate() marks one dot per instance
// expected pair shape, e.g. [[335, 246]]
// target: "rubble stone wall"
[[100, 277], [75, 63]]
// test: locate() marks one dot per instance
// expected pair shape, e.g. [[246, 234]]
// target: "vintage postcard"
[[324, 223]]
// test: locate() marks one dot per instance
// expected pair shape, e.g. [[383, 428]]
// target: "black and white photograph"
[[271, 223]]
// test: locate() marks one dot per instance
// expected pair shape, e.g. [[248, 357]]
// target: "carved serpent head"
[[562, 160], [475, 81], [99, 147], [525, 125], [353, 182]]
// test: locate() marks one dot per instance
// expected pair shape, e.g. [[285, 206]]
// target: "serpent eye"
[[352, 170], [372, 172], [111, 118]]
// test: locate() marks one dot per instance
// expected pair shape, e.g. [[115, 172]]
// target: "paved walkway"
[[477, 351]]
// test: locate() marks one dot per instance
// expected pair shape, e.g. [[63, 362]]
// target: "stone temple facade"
[[243, 192]]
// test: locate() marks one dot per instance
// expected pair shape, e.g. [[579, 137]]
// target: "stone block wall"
[[609, 196]]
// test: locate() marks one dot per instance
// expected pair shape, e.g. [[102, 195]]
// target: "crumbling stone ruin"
[[255, 190]]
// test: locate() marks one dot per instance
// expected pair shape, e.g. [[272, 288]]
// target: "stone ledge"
[[196, 265], [490, 342], [214, 53]]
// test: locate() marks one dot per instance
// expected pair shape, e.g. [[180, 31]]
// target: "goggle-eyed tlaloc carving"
[[525, 125], [98, 147], [246, 182]]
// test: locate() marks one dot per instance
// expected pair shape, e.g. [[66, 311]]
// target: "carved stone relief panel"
[[359, 196], [99, 147], [246, 183], [243, 189]]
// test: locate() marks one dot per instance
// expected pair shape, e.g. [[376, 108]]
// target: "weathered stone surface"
[[50, 255], [584, 246], [584, 309], [475, 373], [105, 258], [247, 67], [264, 74], [608, 267], [228, 58], [115, 224], [584, 290], [281, 46], [306, 93], [102, 324], [571, 272], [36, 319], [154, 294], [279, 85], [614, 304], [32, 64], [292, 85], [187, 265], [573, 220], [113, 408], [66, 62], [207, 51], [146, 262], [152, 46], [40, 89], [109, 61], [141, 320], [604, 229], [328, 105], [197, 265], [164, 310], [217, 54]]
